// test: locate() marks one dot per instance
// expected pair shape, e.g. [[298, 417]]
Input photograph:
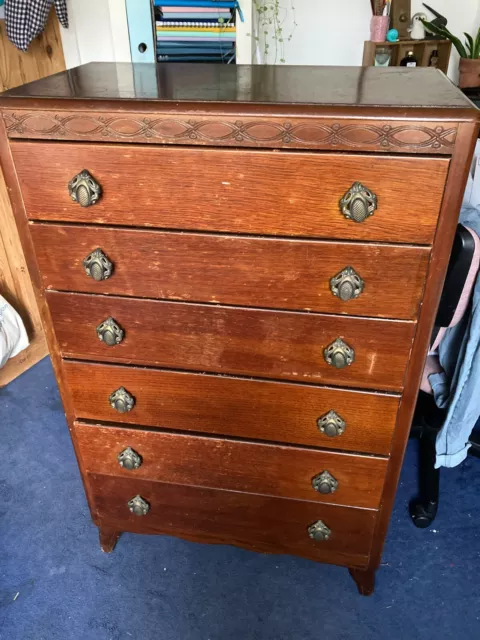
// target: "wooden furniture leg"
[[108, 538], [365, 580]]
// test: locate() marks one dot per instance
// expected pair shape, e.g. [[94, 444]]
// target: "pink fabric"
[[432, 365], [438, 339], [469, 282]]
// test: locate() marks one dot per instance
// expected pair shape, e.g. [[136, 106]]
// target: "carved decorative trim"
[[308, 132]]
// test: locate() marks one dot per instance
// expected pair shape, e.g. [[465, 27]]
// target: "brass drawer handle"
[[110, 332], [98, 266], [338, 354], [347, 284], [84, 189], [358, 203], [138, 506], [121, 400], [319, 531], [325, 483], [331, 424], [129, 459]]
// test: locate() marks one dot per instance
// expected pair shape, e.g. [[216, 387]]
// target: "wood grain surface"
[[457, 181], [253, 89], [283, 193], [43, 58], [16, 287], [235, 465], [252, 192], [221, 405], [261, 523], [254, 272], [251, 342], [146, 123]]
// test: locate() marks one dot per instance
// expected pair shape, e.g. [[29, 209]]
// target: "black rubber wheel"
[[422, 515]]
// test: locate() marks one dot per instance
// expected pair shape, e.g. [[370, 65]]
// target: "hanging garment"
[[457, 387], [26, 19], [13, 336]]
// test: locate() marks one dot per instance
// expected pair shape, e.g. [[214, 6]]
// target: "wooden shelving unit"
[[422, 50], [44, 57]]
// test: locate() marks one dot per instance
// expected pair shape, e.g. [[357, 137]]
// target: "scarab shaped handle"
[[347, 284], [138, 506], [129, 459], [319, 531], [339, 354], [84, 189], [98, 266], [110, 332], [359, 203], [121, 400]]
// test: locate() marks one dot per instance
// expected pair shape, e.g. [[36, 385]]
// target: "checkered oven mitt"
[[26, 19]]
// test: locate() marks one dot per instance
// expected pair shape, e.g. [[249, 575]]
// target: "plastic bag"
[[13, 337]]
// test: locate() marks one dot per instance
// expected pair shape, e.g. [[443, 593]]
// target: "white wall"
[[97, 32], [328, 33], [332, 33]]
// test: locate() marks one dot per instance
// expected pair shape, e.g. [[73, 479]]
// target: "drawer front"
[[252, 342], [220, 405], [261, 523], [251, 467], [285, 274], [253, 192]]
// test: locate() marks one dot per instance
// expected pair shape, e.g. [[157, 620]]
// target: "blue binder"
[[225, 4], [140, 28]]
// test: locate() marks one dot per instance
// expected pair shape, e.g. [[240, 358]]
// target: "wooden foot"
[[108, 539], [365, 580]]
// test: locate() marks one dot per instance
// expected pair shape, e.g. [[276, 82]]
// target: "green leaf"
[[445, 33], [469, 43], [476, 47]]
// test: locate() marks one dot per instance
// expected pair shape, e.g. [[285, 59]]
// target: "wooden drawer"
[[262, 523], [252, 192], [221, 405], [261, 272], [251, 342], [252, 467]]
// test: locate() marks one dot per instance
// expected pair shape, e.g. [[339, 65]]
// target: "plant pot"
[[469, 73]]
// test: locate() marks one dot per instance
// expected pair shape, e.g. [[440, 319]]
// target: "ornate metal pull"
[[319, 531], [139, 506], [121, 400], [338, 354], [110, 332], [331, 424], [84, 190], [97, 265], [325, 483], [129, 459], [347, 284], [358, 203]]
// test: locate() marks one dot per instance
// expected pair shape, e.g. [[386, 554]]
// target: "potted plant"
[[268, 29], [469, 52]]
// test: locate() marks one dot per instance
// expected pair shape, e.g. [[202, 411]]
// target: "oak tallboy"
[[238, 270]]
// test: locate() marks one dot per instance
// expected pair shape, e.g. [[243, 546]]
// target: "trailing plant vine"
[[269, 33]]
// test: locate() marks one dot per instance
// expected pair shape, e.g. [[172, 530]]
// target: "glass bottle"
[[433, 62], [409, 60]]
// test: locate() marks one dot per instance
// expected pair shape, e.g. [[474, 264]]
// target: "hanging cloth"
[[26, 19]]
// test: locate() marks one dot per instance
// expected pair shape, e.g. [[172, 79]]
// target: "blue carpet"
[[55, 583]]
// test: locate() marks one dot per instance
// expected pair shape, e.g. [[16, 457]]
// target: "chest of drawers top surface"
[[239, 333], [257, 106]]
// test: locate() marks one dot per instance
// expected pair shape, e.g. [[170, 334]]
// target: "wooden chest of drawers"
[[238, 270]]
